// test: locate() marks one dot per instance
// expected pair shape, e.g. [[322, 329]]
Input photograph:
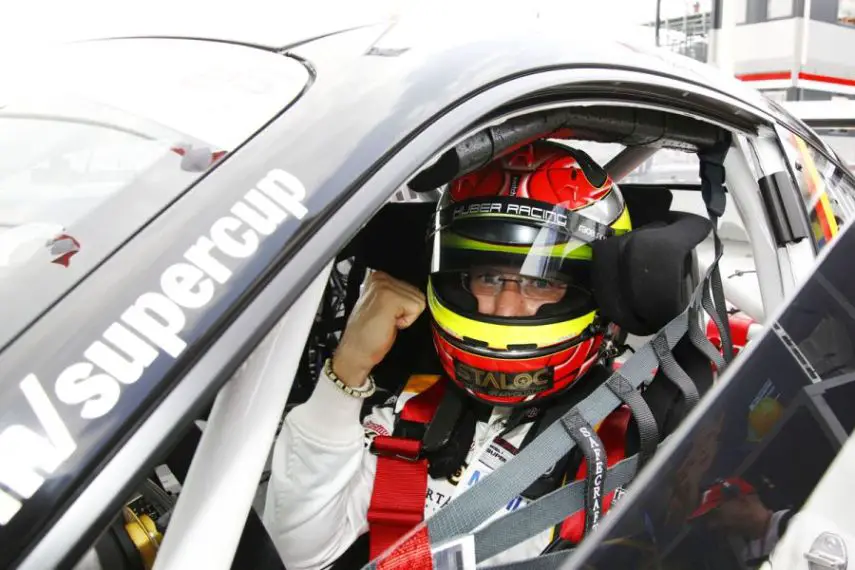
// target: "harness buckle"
[[403, 448]]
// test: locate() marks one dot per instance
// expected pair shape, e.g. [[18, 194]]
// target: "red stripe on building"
[[778, 75], [767, 76], [826, 79]]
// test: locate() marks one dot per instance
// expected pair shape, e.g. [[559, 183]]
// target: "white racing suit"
[[323, 475]]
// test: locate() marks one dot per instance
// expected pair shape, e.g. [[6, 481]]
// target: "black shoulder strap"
[[447, 437], [450, 433], [712, 173]]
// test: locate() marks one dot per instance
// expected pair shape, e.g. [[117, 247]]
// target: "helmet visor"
[[547, 260], [544, 256], [490, 280], [488, 238]]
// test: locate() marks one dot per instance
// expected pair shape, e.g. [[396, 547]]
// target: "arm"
[[322, 475], [319, 491]]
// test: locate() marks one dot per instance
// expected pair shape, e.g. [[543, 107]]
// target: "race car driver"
[[514, 324]]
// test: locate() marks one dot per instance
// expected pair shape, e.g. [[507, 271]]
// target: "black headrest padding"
[[639, 278], [394, 242], [647, 204]]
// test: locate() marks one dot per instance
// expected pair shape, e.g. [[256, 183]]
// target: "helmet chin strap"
[[613, 345], [598, 326]]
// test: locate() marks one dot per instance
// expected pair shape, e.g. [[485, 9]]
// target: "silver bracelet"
[[360, 393]]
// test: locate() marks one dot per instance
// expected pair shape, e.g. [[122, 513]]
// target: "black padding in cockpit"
[[639, 278]]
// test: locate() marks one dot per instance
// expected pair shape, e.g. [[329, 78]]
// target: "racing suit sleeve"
[[322, 478]]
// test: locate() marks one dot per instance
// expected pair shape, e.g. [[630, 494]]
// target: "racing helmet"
[[524, 222]]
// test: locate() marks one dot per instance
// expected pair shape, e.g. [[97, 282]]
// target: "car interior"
[[393, 240]]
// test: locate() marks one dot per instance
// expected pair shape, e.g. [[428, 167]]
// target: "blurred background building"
[[792, 50], [797, 52]]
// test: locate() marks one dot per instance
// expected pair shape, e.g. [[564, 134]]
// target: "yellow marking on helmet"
[[571, 250], [501, 336], [623, 224]]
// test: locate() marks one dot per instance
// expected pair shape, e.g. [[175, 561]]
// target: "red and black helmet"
[[523, 223]]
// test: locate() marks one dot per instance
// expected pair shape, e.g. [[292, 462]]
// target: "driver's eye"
[[488, 278], [542, 283]]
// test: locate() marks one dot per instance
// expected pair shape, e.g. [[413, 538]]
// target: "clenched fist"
[[386, 306]]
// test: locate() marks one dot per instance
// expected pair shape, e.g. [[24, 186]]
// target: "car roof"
[[575, 37], [431, 42]]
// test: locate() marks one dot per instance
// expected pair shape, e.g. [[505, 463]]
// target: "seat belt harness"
[[400, 483]]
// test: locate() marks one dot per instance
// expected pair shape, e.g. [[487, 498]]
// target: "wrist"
[[348, 369], [361, 392]]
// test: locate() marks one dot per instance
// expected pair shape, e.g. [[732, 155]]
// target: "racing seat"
[[650, 206]]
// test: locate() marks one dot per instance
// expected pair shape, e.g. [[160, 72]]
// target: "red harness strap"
[[400, 484]]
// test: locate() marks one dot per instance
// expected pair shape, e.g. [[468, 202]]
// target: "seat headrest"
[[639, 278], [647, 204]]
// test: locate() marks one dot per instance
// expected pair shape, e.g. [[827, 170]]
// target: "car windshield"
[[98, 138], [135, 121], [60, 158]]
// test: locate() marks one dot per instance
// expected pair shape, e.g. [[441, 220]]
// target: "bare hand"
[[386, 306]]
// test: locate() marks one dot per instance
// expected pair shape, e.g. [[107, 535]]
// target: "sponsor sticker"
[[502, 384], [152, 326], [497, 454], [458, 554]]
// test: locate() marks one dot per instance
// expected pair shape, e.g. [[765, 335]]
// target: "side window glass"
[[842, 141], [667, 166], [827, 192]]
